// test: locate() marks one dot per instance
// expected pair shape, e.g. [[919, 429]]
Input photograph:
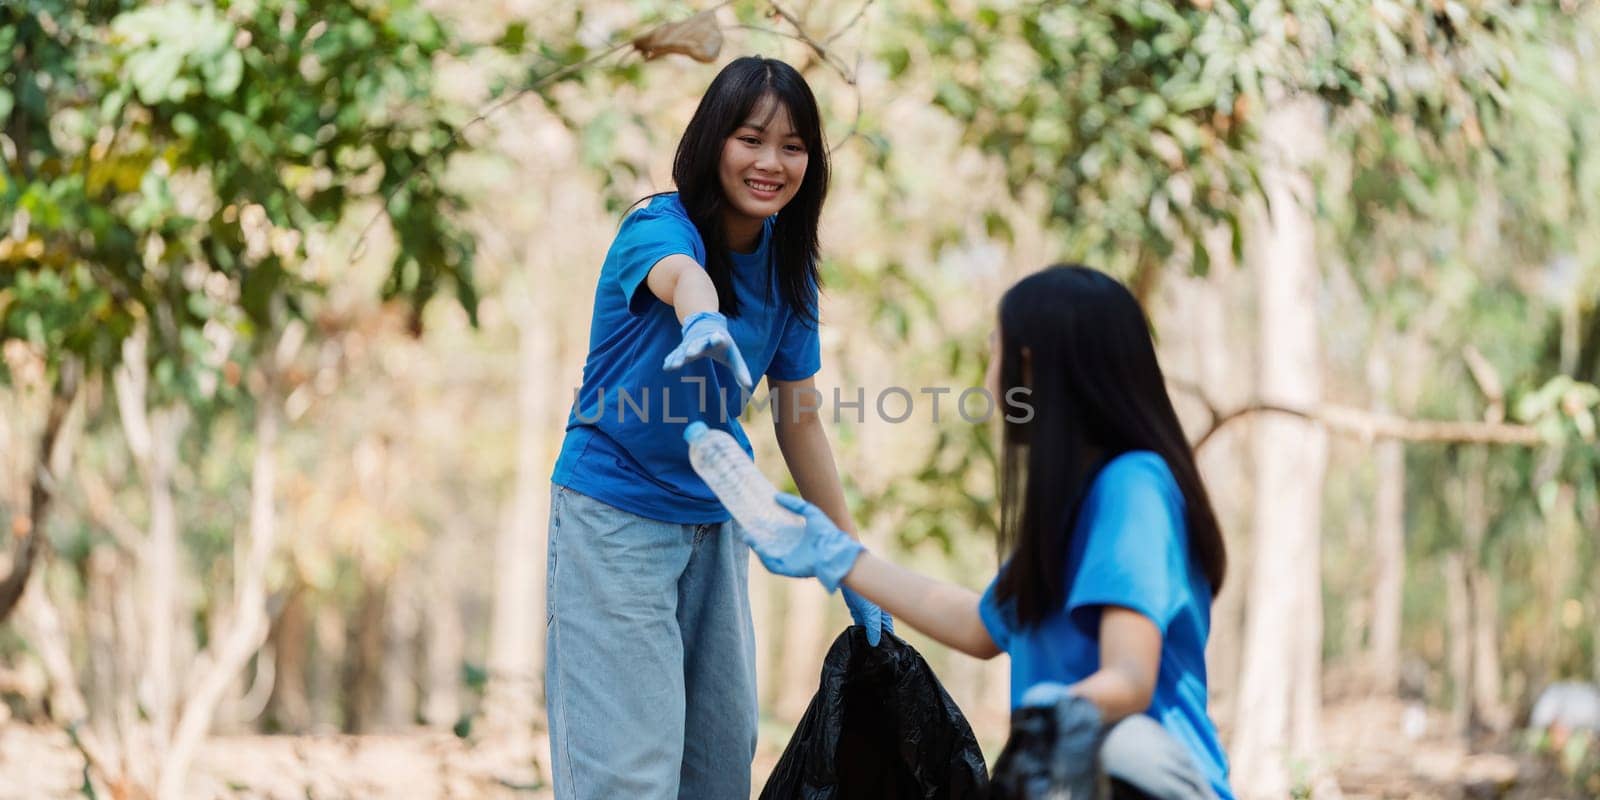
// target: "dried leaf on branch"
[[698, 37]]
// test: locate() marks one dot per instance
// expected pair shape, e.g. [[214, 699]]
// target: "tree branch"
[[102, 508], [827, 56], [49, 641], [456, 135], [817, 47], [849, 23], [249, 625], [30, 529], [1364, 424]]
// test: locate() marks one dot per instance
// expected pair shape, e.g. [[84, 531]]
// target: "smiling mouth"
[[762, 186]]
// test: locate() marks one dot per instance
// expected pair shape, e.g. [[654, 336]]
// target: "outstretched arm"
[[1130, 658], [944, 611], [680, 282], [804, 444]]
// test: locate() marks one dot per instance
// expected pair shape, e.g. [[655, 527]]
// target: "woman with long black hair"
[[1111, 552], [650, 659]]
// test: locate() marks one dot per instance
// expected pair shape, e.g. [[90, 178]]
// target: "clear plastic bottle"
[[719, 461]]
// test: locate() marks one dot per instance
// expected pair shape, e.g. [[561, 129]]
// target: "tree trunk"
[[105, 567], [1280, 685], [1389, 559], [442, 631], [1459, 621], [324, 669], [403, 628], [1488, 694], [219, 666], [363, 666], [1223, 461], [40, 623], [289, 707], [1483, 696], [29, 530], [1389, 541], [516, 644], [160, 678], [804, 639]]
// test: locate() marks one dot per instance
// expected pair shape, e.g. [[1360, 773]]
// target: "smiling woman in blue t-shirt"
[[1112, 553], [650, 662]]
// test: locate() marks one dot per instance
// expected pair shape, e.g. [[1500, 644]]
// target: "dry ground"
[[1368, 755]]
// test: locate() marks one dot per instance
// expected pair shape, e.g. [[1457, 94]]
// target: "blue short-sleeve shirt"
[[1130, 548], [624, 444]]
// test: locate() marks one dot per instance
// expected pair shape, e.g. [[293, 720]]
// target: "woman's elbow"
[[985, 650], [1139, 685], [979, 644]]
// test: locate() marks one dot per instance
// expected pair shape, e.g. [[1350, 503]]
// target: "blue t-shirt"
[[624, 443], [1130, 548]]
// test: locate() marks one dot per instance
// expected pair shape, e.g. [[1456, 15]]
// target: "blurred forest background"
[[294, 295]]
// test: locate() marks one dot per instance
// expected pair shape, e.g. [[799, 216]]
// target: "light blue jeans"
[[650, 677]]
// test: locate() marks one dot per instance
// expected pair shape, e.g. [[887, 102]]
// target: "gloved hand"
[[705, 335], [1074, 760], [824, 552], [868, 615], [1045, 695]]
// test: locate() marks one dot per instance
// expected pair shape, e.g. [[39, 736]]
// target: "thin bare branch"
[[103, 511], [848, 24], [1488, 380], [1367, 425], [623, 43], [823, 52], [29, 530], [48, 639], [827, 56]]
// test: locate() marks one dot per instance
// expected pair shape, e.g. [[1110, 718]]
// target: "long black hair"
[[726, 105], [1079, 342]]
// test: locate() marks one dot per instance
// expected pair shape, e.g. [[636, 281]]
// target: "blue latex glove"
[[824, 552], [868, 615], [705, 335]]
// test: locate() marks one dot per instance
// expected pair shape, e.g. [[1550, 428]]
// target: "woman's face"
[[763, 163]]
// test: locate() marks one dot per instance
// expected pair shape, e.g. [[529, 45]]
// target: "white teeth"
[[762, 187]]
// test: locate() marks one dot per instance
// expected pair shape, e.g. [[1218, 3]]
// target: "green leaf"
[[897, 58], [153, 73], [185, 125], [223, 77], [515, 39]]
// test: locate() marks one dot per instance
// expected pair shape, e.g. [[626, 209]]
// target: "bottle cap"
[[694, 431]]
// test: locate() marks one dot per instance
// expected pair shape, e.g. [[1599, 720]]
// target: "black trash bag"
[[1052, 754], [880, 727]]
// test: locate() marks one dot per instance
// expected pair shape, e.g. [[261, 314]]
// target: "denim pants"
[[650, 679]]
